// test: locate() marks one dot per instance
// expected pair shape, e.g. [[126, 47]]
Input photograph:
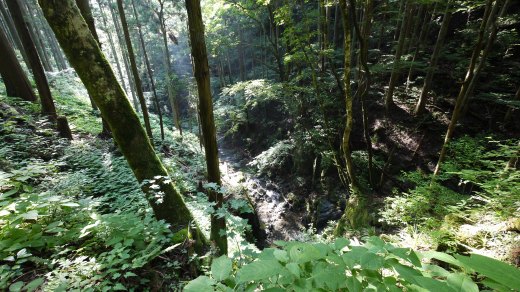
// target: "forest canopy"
[[250, 145]]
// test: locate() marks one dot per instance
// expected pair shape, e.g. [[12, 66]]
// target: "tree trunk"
[[389, 99], [14, 77], [168, 69], [12, 31], [149, 70], [46, 101], [92, 67], [463, 89], [84, 8], [200, 58], [135, 72], [355, 212], [419, 108], [36, 36], [124, 54]]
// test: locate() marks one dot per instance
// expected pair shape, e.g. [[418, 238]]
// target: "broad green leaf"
[[371, 261], [406, 254], [353, 284], [462, 283], [441, 257], [221, 268], [31, 215], [202, 283], [303, 252], [294, 269], [432, 284], [496, 270], [258, 270], [340, 243], [281, 255], [70, 204], [34, 284], [15, 287], [408, 274]]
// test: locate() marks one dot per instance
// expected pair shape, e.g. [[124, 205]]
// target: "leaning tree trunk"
[[14, 77], [464, 88], [200, 58], [149, 70], [355, 212], [12, 31], [135, 72], [94, 70], [36, 36], [419, 108], [47, 103]]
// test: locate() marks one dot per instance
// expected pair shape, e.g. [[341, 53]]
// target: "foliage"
[[345, 265]]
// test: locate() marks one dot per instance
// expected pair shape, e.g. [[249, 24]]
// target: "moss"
[[180, 236], [355, 216]]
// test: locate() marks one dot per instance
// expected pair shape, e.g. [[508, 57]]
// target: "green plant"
[[346, 266]]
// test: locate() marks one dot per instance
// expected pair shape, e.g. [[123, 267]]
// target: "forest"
[[251, 145]]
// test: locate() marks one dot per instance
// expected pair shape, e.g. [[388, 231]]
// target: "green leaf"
[[371, 261], [496, 270], [340, 243], [15, 287], [258, 270], [221, 268], [432, 284], [304, 252], [31, 215], [294, 269], [70, 204], [441, 257], [281, 255], [202, 283], [34, 284], [462, 283]]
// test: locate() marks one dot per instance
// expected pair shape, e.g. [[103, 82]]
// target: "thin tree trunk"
[[167, 64], [36, 36], [12, 30], [487, 49], [124, 54], [464, 87], [14, 77], [46, 101], [92, 67], [389, 99], [149, 70], [135, 72], [419, 108], [200, 58]]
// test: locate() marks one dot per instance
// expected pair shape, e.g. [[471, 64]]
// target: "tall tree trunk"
[[241, 55], [135, 72], [487, 49], [86, 12], [167, 64], [111, 42], [36, 35], [12, 31], [92, 67], [389, 99], [355, 212], [14, 77], [124, 54], [419, 108], [464, 88], [200, 58], [47, 103], [149, 70]]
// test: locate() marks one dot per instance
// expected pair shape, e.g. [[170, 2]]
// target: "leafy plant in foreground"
[[346, 266]]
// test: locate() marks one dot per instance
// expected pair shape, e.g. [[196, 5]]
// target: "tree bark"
[[419, 108], [36, 36], [167, 66], [200, 58], [14, 77], [12, 31], [149, 70], [464, 88], [389, 99], [46, 101], [135, 72], [92, 67]]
